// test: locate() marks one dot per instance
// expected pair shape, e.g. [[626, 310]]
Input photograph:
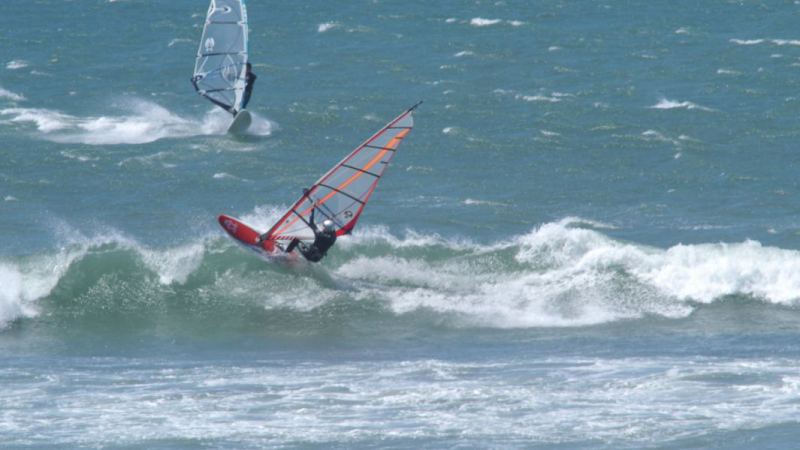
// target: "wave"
[[481, 22], [327, 26], [143, 122], [561, 274], [778, 42], [14, 97], [554, 97], [665, 103], [16, 64]]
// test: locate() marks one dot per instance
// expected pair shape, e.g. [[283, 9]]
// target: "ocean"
[[591, 238]]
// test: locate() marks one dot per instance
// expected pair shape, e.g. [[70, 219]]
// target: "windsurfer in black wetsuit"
[[249, 81], [323, 240]]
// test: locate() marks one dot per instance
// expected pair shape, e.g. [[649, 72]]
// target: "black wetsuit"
[[249, 81], [323, 240]]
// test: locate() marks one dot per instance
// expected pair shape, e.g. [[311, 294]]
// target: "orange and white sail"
[[342, 193]]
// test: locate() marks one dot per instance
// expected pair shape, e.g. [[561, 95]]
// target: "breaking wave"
[[141, 122], [561, 274]]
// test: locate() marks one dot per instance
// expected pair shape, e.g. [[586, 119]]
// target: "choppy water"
[[590, 239]]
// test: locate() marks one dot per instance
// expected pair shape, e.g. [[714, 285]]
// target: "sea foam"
[[564, 274], [665, 103], [142, 122], [560, 274], [16, 64], [6, 94], [481, 22]]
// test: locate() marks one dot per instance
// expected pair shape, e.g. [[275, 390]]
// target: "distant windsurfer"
[[323, 240], [249, 81]]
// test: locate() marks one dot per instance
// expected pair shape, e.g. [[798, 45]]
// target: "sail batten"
[[342, 193], [219, 72]]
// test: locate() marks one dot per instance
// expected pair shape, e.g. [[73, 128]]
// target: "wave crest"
[[565, 273]]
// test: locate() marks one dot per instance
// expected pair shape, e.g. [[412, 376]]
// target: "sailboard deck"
[[248, 237], [241, 122]]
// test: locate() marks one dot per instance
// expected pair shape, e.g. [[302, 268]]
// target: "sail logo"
[[209, 44]]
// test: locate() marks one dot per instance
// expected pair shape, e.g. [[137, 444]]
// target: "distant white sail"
[[219, 71]]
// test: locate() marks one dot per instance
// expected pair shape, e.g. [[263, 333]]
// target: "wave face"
[[561, 274], [142, 122]]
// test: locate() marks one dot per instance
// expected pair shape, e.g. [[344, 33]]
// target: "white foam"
[[173, 265], [778, 42], [10, 198], [538, 98], [263, 217], [554, 97], [76, 156], [146, 159], [464, 53], [565, 275], [633, 402], [653, 135], [16, 64], [781, 42], [178, 41], [472, 201], [327, 26], [665, 103], [24, 282], [481, 22], [516, 23], [11, 95], [747, 41], [144, 122]]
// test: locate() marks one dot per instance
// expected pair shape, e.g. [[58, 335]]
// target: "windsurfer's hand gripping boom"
[[324, 238]]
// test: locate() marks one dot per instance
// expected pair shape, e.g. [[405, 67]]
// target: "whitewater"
[[589, 239], [560, 274]]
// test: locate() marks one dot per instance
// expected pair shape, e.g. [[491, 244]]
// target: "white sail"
[[342, 193], [219, 71]]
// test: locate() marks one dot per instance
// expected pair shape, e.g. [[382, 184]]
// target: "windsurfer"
[[249, 81], [323, 240]]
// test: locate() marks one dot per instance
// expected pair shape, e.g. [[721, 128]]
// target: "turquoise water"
[[589, 240]]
